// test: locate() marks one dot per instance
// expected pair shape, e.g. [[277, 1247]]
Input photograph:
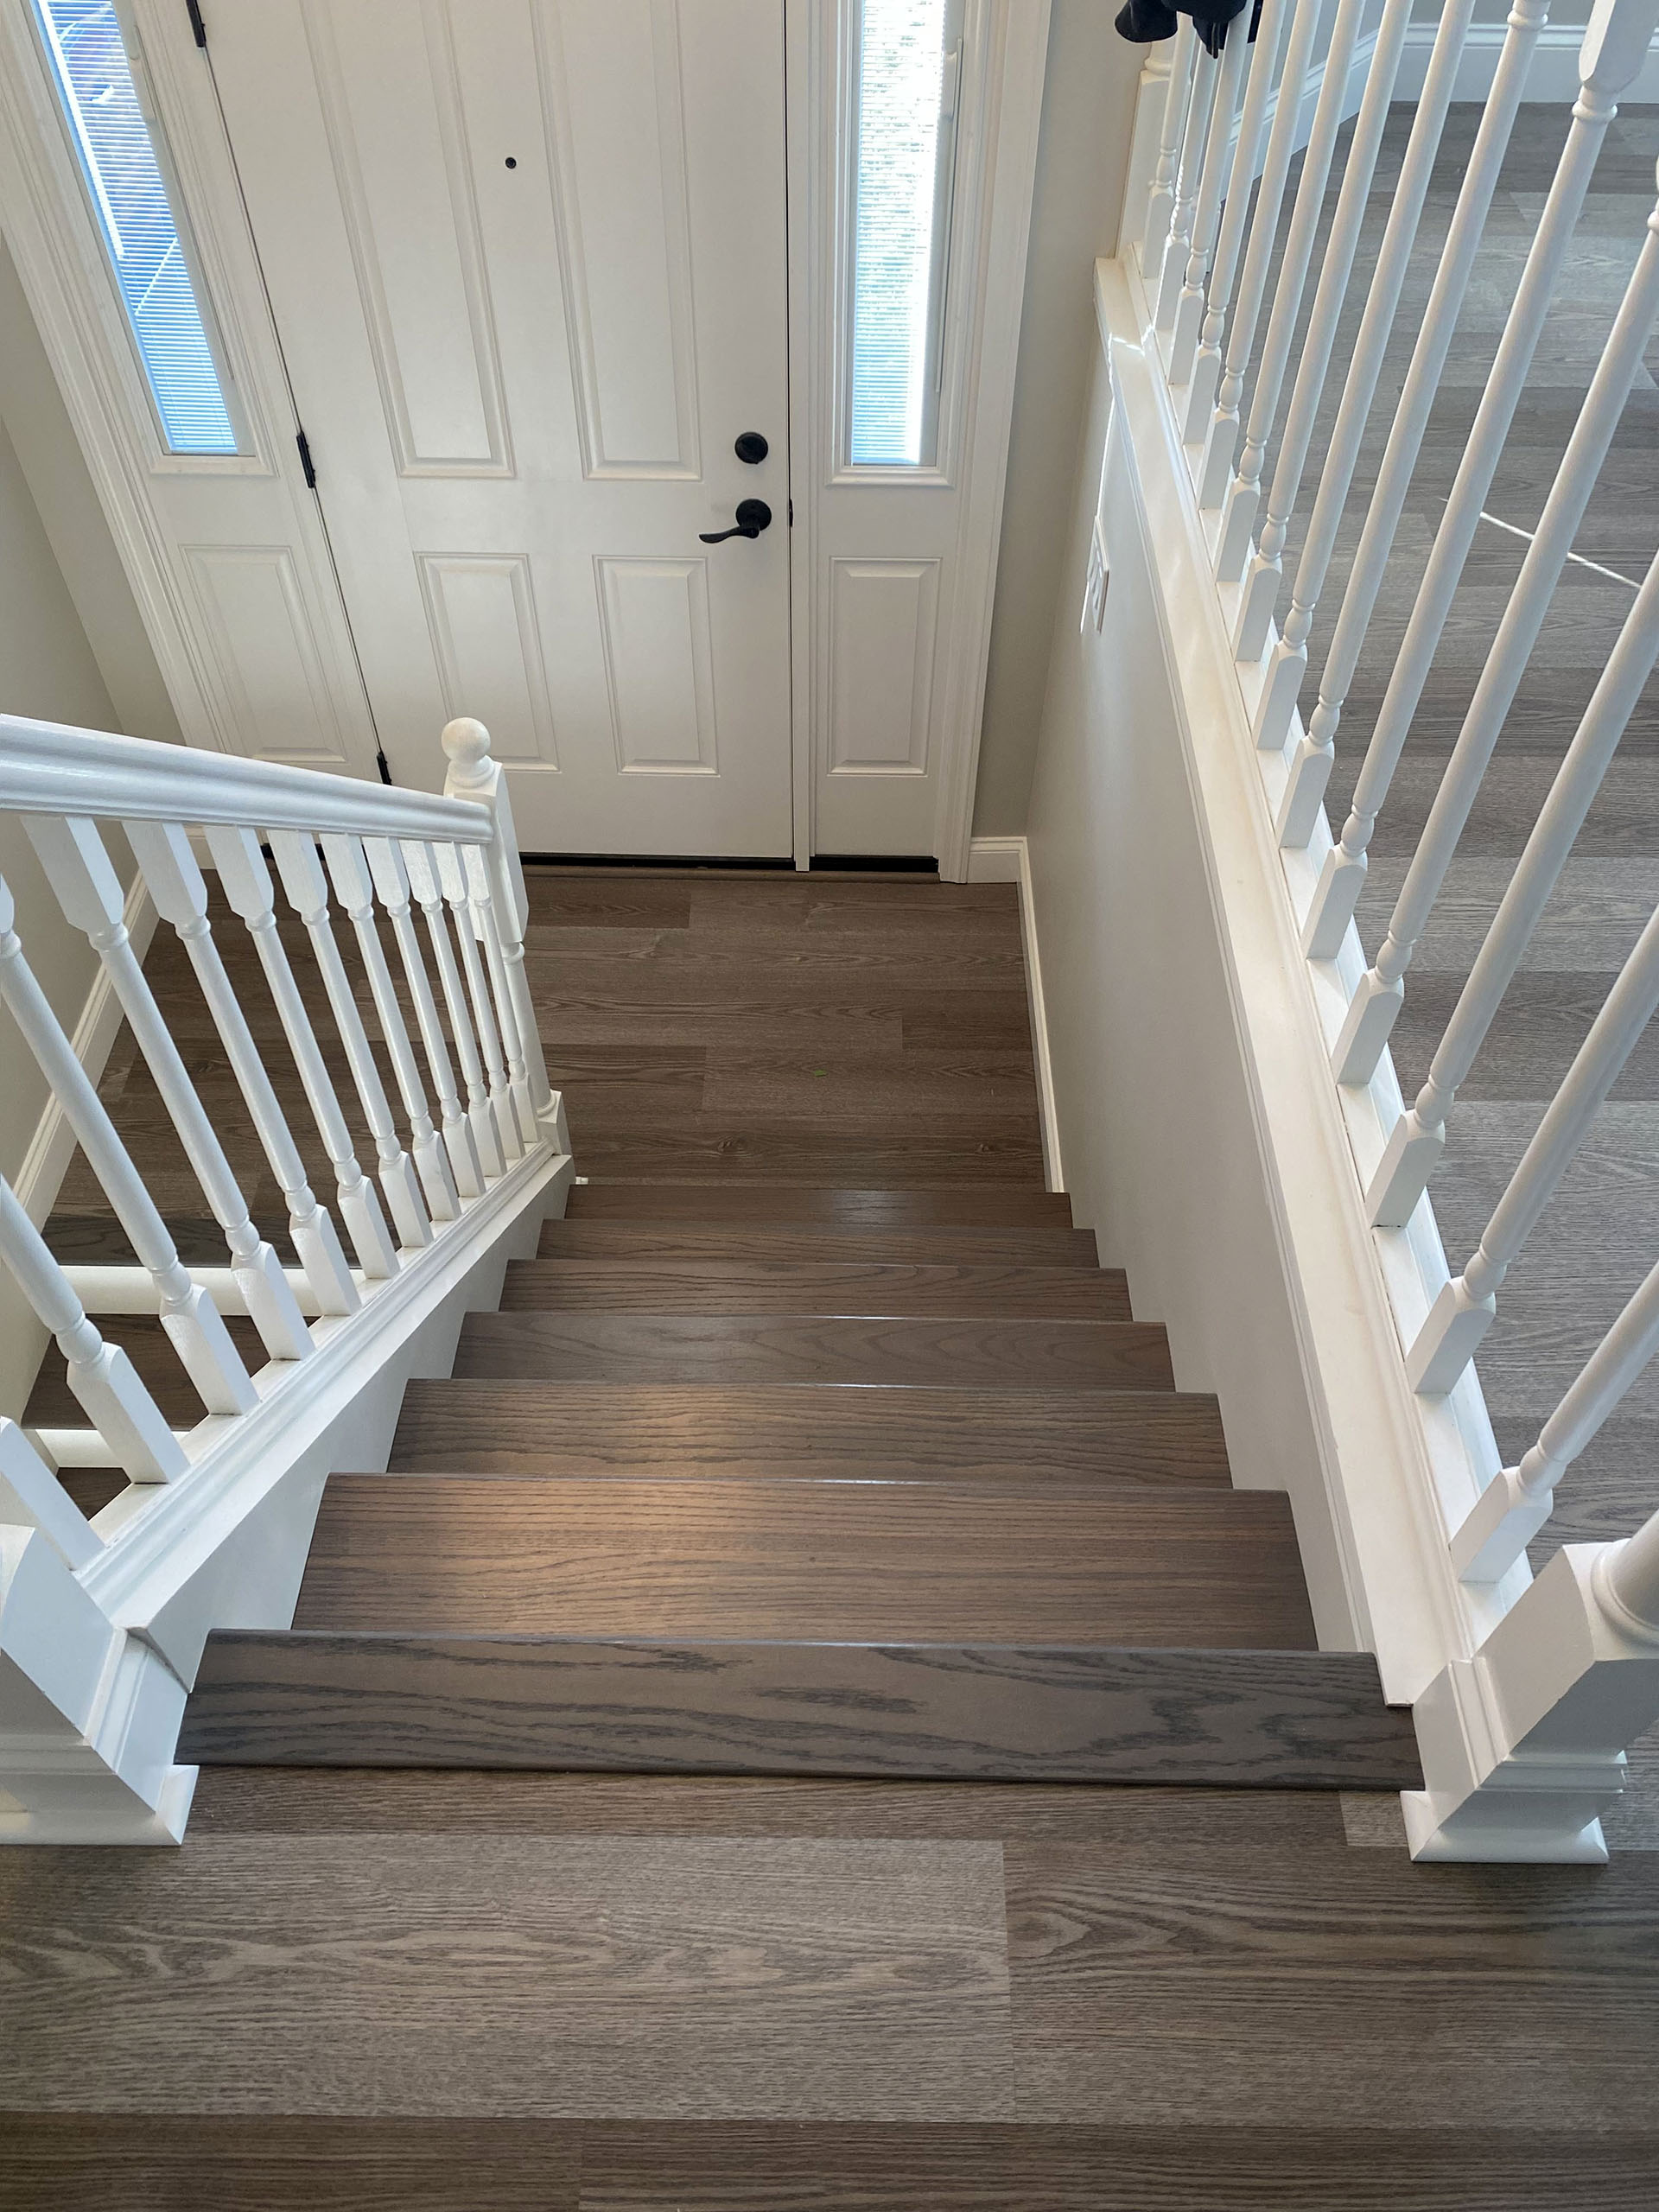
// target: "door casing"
[[60, 262]]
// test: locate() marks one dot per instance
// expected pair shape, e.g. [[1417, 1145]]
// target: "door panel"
[[527, 259]]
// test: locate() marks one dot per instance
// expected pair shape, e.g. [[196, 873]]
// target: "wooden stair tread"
[[851, 1562], [838, 1286], [678, 1244], [1270, 1719], [784, 1348], [937, 1434], [984, 1206]]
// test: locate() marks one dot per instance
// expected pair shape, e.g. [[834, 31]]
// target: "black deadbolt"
[[752, 517], [751, 447]]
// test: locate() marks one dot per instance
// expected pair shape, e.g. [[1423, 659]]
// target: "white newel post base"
[[89, 1715], [1522, 1747]]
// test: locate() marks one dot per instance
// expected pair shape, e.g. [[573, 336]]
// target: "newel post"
[[1523, 1745], [474, 775]]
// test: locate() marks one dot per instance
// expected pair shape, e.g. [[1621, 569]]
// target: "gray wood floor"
[[1601, 1235]]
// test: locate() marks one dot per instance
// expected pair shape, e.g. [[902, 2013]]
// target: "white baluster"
[[1418, 1137], [1262, 578], [193, 1323], [452, 875], [488, 934], [1466, 1308], [31, 1497], [1217, 469], [1247, 154], [103, 1378], [1189, 306], [354, 888], [1310, 769], [177, 884], [423, 866], [307, 893], [1151, 99], [1515, 1504], [473, 775], [1238, 513], [1205, 72], [1344, 873], [1161, 201], [245, 880], [391, 882], [1377, 1002], [89, 890]]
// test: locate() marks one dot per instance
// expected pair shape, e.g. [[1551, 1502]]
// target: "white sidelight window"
[[118, 146], [906, 67]]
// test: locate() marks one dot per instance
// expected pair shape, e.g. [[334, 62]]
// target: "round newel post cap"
[[467, 744]]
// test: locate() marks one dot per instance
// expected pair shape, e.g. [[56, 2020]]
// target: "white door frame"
[[996, 169], [60, 264]]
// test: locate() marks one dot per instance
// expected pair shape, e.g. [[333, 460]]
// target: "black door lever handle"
[[752, 517]]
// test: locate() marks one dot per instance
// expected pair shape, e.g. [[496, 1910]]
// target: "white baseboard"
[[53, 1145], [1005, 860], [1554, 74]]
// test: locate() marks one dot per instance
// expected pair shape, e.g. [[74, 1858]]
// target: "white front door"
[[527, 260]]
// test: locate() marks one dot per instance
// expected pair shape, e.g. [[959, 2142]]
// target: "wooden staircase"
[[766, 1480]]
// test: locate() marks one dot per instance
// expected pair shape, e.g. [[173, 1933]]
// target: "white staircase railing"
[[102, 1617], [1524, 1728]]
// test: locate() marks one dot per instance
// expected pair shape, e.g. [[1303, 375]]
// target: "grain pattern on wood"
[[160, 2162], [1128, 1968], [113, 2162], [527, 1976], [1282, 1720], [859, 1430], [727, 1205], [387, 1800], [721, 1348], [797, 1286], [854, 1562], [674, 1245], [713, 2167]]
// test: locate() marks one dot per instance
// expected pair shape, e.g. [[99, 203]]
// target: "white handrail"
[[48, 768]]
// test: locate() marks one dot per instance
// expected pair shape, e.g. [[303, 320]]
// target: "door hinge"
[[192, 8], [303, 444], [381, 763]]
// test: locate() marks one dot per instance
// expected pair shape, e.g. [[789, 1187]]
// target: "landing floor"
[[449, 1992]]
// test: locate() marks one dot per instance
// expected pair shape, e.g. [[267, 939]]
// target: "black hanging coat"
[[1144, 23]]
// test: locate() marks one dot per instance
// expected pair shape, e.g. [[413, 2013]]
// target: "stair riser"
[[681, 1244], [719, 1349], [968, 1206], [792, 1287], [932, 1713]]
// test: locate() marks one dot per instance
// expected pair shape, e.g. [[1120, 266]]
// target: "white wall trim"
[[1007, 860], [53, 1145], [1552, 76]]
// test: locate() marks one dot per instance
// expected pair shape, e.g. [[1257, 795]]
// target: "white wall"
[[1155, 1112], [1081, 160], [46, 668]]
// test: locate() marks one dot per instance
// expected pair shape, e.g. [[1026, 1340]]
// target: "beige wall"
[[1088, 111]]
